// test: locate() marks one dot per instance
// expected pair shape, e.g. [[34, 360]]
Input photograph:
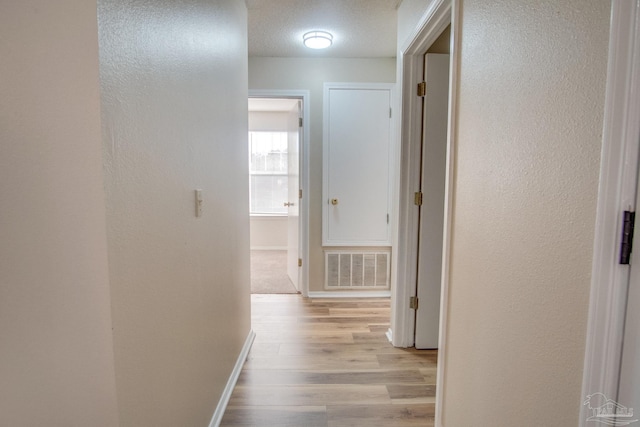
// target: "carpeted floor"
[[269, 273]]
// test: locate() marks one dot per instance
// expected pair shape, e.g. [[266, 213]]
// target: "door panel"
[[293, 212], [358, 129], [434, 146]]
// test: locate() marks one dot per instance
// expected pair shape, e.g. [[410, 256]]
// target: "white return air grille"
[[356, 270]]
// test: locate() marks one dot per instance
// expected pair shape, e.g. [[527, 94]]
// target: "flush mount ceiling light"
[[317, 39]]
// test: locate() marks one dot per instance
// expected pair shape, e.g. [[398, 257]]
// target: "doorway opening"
[[426, 170], [431, 183], [276, 153]]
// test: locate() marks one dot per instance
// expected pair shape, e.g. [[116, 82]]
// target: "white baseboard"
[[389, 335], [350, 294], [231, 383], [269, 248]]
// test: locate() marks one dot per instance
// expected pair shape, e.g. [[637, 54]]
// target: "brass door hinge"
[[417, 198], [413, 303], [422, 88], [299, 262], [300, 194], [299, 121]]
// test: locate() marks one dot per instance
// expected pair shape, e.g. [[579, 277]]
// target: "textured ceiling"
[[360, 28]]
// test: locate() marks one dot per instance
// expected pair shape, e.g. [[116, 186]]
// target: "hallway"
[[327, 362]]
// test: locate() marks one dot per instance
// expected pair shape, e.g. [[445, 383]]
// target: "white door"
[[433, 166], [629, 388], [293, 212], [357, 132]]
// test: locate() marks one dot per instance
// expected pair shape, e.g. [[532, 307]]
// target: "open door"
[[293, 205], [432, 183]]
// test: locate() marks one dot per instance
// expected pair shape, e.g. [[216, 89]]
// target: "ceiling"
[[360, 28]]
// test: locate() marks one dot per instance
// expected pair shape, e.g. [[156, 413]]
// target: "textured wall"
[[310, 74], [56, 357], [530, 103], [174, 110]]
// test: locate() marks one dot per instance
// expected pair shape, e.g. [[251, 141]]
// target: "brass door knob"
[[334, 202]]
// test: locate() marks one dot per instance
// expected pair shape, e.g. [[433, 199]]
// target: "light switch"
[[198, 203]]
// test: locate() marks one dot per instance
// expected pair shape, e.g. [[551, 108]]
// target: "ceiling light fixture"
[[317, 39]]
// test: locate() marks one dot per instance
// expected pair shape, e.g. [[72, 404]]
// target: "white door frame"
[[617, 192], [435, 19], [303, 234]]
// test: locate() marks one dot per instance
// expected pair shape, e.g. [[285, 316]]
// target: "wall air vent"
[[357, 270]]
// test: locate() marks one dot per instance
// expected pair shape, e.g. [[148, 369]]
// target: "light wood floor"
[[327, 362]]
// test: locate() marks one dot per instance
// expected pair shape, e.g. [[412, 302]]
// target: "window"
[[268, 172]]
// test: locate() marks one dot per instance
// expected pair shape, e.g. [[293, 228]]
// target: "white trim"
[[305, 150], [429, 28], [269, 248], [617, 192], [351, 294], [327, 86], [435, 20], [389, 335], [233, 379], [448, 223]]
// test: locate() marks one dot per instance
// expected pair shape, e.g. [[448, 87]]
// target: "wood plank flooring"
[[327, 362]]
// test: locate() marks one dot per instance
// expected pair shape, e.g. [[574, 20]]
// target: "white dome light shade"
[[317, 39]]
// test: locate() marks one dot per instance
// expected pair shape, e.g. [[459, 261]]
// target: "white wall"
[[266, 121], [310, 74], [530, 103], [174, 104], [56, 356], [269, 232]]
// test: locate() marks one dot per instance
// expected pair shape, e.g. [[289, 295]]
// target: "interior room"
[[274, 127], [456, 222]]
